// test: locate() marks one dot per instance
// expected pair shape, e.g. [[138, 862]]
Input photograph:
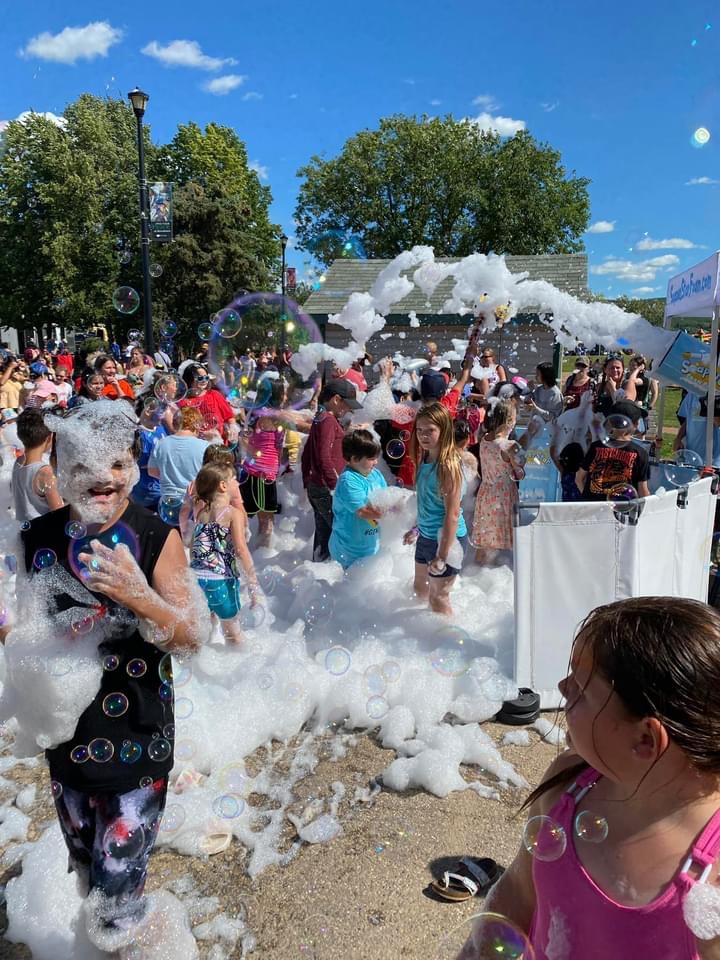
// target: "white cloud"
[[252, 95], [487, 102], [642, 270], [52, 117], [221, 86], [435, 102], [293, 96], [645, 290], [409, 81], [701, 182], [185, 53], [505, 126], [674, 243], [602, 226], [74, 43], [549, 107], [260, 169]]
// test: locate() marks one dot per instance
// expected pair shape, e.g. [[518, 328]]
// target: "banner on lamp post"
[[160, 201], [291, 278]]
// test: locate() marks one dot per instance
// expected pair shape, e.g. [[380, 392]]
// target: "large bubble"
[[686, 468], [488, 935], [261, 321], [338, 245], [126, 300]]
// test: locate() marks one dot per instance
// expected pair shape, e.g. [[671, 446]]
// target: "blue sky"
[[619, 89]]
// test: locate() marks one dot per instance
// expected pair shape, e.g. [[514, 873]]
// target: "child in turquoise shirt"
[[355, 531]]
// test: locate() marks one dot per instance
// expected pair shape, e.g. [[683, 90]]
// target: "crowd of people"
[[105, 447]]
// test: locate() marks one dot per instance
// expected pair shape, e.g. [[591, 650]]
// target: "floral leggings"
[[110, 837]]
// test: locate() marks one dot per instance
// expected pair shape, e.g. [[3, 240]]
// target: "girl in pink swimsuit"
[[623, 865]]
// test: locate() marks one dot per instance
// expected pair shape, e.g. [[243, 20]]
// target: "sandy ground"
[[364, 894]]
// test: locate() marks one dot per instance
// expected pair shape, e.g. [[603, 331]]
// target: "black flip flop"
[[524, 709], [472, 877]]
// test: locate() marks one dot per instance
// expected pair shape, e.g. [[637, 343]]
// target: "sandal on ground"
[[471, 877]]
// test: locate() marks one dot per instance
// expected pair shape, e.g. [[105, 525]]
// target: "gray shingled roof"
[[568, 272]]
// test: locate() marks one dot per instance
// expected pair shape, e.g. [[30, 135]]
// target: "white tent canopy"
[[695, 293]]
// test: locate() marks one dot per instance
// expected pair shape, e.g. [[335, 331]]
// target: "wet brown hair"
[[449, 464], [207, 482], [661, 656], [217, 453]]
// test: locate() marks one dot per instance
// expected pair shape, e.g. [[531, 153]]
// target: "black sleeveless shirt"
[[124, 739]]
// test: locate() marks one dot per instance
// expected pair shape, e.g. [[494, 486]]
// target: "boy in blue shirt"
[[355, 531]]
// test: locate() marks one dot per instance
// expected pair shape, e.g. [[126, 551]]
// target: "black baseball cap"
[[343, 389], [433, 385], [626, 408]]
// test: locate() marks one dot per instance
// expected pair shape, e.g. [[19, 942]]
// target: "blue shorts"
[[223, 597], [426, 551]]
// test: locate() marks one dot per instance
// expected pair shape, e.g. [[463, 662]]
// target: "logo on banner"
[[690, 286], [687, 364]]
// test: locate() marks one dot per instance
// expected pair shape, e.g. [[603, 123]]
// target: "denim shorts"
[[223, 597], [426, 551]]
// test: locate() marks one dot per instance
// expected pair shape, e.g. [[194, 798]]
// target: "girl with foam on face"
[[113, 579], [625, 862]]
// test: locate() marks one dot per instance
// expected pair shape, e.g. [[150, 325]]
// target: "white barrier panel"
[[572, 557]]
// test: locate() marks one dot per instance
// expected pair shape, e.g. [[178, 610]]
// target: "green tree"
[[441, 182], [652, 309]]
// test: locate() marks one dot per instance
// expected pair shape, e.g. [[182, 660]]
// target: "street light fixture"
[[139, 101], [283, 316]]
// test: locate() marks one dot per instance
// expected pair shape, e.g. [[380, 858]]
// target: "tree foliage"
[[652, 309], [69, 203], [442, 182]]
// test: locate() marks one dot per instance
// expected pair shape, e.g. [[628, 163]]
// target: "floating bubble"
[[228, 806], [622, 493], [56, 789], [126, 300], [168, 329], [134, 336], [169, 510], [319, 610], [395, 449], [111, 662], [449, 663], [136, 668], [183, 708], [591, 827], [82, 626], [124, 841], [292, 691], [169, 388], [165, 669], [377, 707], [75, 530], [44, 559], [228, 323], [252, 617], [25, 525], [79, 753], [115, 705], [234, 779], [685, 469], [165, 692], [487, 935], [269, 580], [145, 782], [700, 137], [404, 436], [173, 818], [616, 426], [125, 257], [101, 750], [130, 752], [337, 661], [183, 674], [156, 270], [169, 731], [204, 332], [338, 245], [159, 749], [373, 680], [544, 839], [391, 671], [185, 750]]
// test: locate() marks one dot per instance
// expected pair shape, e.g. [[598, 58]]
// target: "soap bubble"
[[136, 668], [75, 530], [685, 469], [185, 750], [377, 708], [169, 510], [115, 705], [391, 671], [165, 669], [134, 336], [165, 692], [615, 426], [159, 749], [404, 436], [252, 617], [25, 525], [491, 935], [269, 580], [395, 449], [319, 609], [126, 300], [374, 681], [183, 708], [56, 789], [204, 332], [124, 257], [79, 753], [111, 662], [452, 659], [337, 661], [233, 778], [700, 137], [130, 752], [169, 388], [101, 750], [168, 329], [591, 827], [228, 806], [44, 559], [622, 493], [83, 625], [544, 839], [117, 534], [156, 270], [338, 245], [145, 782], [173, 818], [183, 674], [228, 323], [124, 841]]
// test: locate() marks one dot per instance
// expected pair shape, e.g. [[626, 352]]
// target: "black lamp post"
[[283, 315], [139, 100]]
